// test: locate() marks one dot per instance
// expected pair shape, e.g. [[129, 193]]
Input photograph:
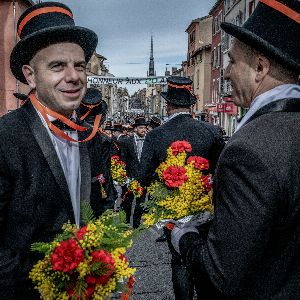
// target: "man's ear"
[[262, 67], [29, 74]]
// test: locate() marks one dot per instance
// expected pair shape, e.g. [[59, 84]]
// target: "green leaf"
[[86, 212], [41, 247]]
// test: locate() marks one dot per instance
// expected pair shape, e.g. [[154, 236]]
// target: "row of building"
[[207, 58]]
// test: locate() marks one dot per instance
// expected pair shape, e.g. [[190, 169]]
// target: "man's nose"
[[72, 74]]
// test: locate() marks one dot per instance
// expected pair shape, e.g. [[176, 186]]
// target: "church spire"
[[151, 71]]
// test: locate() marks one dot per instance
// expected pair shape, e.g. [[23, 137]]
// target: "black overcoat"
[[34, 196], [253, 246]]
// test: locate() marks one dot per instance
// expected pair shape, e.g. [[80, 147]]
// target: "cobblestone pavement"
[[152, 261]]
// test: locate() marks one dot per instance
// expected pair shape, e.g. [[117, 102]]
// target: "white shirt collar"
[[284, 91], [177, 114]]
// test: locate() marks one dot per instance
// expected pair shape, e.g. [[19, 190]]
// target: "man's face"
[[59, 76], [241, 73], [141, 130]]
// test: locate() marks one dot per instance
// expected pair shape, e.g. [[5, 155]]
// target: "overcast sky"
[[124, 30]]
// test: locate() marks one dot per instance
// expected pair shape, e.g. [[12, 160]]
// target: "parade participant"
[[252, 248], [44, 171], [206, 141], [154, 122], [108, 127], [131, 150], [91, 106]]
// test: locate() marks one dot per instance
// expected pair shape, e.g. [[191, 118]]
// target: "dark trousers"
[[126, 205], [183, 282]]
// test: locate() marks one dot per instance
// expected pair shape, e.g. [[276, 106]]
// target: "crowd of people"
[[54, 148]]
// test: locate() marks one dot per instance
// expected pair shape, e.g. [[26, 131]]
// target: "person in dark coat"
[[154, 122], [91, 106], [131, 150], [252, 248], [44, 171], [206, 140]]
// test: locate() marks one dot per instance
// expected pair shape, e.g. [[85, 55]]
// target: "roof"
[[206, 47], [215, 6], [197, 21]]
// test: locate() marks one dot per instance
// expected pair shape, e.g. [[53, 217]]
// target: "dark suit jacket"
[[34, 195], [206, 140], [129, 156], [252, 250]]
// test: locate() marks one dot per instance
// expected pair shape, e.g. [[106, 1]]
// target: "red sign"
[[230, 108], [220, 107], [228, 99]]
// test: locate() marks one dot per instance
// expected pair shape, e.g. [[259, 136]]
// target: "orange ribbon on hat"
[[285, 10], [186, 87], [47, 111], [43, 10]]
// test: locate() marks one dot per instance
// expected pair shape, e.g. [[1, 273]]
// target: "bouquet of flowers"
[[118, 171], [182, 189], [119, 175], [87, 262]]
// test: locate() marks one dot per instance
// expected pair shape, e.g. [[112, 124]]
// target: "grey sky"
[[124, 29]]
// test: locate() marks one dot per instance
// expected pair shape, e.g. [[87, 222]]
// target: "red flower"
[[116, 157], [88, 292], [180, 146], [93, 280], [67, 256], [206, 181], [81, 232], [105, 258], [174, 176], [200, 163], [131, 282], [123, 257]]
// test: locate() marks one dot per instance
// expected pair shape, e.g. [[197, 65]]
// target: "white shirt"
[[177, 114], [139, 141], [69, 157], [284, 91]]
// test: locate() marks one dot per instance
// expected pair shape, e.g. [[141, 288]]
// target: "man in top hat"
[[252, 248], [131, 150], [206, 140], [117, 137], [93, 105], [154, 122], [44, 171]]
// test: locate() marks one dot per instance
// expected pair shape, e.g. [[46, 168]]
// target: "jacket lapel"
[[43, 139], [283, 105], [134, 146]]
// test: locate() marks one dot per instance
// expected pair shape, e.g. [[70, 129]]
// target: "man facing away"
[[206, 140], [44, 171], [252, 248]]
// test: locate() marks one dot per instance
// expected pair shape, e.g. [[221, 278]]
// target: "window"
[[192, 37]]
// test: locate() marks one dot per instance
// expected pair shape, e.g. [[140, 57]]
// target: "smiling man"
[[44, 171]]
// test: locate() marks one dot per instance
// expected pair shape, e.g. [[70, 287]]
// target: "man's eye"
[[57, 67], [80, 68]]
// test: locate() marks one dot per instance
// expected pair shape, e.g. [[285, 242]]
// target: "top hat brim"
[[141, 124], [253, 40], [186, 102], [27, 47]]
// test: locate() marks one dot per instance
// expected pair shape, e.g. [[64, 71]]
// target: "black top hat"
[[179, 91], [118, 127], [21, 96], [139, 121], [273, 29], [92, 102], [108, 125], [42, 25], [154, 122]]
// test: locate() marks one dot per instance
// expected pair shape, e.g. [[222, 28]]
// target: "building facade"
[[199, 60], [10, 12]]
